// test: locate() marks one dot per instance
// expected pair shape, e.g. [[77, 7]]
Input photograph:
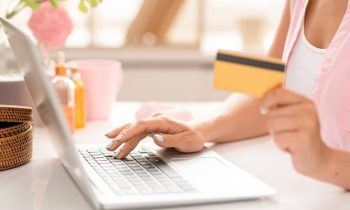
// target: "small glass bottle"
[[65, 90], [80, 99]]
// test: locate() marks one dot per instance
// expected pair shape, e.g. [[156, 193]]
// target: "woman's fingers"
[[113, 145], [162, 140], [183, 142], [157, 114], [128, 147], [151, 125], [131, 134], [278, 124], [116, 131], [166, 140], [294, 116], [280, 97], [286, 111], [285, 140]]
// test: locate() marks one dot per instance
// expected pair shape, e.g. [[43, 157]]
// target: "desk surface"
[[44, 184]]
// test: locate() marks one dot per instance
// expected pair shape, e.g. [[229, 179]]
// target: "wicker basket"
[[15, 136]]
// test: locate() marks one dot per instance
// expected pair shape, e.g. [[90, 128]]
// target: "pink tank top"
[[331, 90]]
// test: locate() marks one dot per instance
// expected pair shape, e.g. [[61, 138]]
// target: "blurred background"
[[167, 47]]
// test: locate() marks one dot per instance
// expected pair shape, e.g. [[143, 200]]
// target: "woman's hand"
[[293, 122], [166, 133]]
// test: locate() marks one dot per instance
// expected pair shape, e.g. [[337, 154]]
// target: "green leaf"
[[93, 3], [31, 3], [82, 6], [53, 3]]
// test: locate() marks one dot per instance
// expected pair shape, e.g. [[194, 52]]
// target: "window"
[[206, 25]]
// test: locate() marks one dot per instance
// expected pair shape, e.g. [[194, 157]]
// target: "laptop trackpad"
[[207, 173]]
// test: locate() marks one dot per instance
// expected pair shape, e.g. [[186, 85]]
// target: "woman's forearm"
[[336, 169], [239, 118]]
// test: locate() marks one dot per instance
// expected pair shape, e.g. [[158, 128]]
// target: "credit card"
[[249, 74]]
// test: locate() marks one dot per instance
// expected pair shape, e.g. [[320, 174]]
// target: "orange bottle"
[[80, 100], [65, 90]]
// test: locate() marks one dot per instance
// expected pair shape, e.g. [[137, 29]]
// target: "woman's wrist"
[[206, 128], [328, 163], [335, 169]]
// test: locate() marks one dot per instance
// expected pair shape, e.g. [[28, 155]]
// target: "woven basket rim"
[[14, 113], [15, 106], [14, 130], [14, 127], [11, 138]]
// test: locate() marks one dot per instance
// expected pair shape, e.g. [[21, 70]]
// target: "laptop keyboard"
[[141, 172]]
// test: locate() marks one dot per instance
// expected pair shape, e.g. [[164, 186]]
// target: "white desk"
[[44, 184]]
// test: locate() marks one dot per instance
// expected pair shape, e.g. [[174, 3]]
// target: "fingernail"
[[116, 153], [119, 137], [109, 145], [158, 137], [263, 110]]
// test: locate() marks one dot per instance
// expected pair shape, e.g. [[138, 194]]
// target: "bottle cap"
[[60, 64], [74, 68], [61, 58]]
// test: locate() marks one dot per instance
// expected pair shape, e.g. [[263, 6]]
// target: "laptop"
[[149, 177]]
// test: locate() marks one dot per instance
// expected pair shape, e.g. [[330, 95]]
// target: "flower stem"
[[19, 6]]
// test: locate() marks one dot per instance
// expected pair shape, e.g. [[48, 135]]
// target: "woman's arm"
[[240, 117], [278, 43], [337, 169]]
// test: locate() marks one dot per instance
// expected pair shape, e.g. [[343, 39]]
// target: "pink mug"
[[103, 80]]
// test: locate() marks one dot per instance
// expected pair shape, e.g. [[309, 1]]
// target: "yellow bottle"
[[65, 90], [80, 99]]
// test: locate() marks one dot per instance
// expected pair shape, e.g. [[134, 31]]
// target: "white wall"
[[193, 84], [157, 74]]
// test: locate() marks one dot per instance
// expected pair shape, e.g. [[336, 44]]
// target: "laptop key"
[[93, 150], [145, 149], [151, 154], [94, 156], [128, 158], [165, 168], [100, 159], [94, 153]]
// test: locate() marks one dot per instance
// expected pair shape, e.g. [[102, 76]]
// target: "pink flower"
[[50, 25]]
